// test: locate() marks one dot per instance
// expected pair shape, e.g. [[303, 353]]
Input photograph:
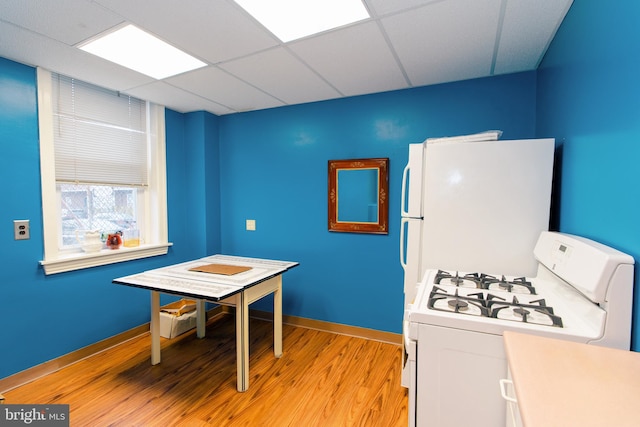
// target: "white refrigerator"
[[474, 204]]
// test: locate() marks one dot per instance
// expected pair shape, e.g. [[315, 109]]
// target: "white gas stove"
[[491, 304], [582, 292]]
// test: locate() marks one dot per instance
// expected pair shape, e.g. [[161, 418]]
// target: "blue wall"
[[589, 98], [193, 181], [274, 170], [44, 317]]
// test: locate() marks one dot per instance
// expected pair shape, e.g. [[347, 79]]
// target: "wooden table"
[[241, 289]]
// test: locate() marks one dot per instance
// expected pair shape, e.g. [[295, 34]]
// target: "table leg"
[[277, 319], [242, 342], [200, 318], [155, 327]]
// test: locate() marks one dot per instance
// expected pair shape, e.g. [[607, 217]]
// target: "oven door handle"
[[503, 390], [512, 403]]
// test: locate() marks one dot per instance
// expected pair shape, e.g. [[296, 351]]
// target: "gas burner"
[[517, 285], [521, 312], [472, 304], [456, 280], [458, 304], [471, 280]]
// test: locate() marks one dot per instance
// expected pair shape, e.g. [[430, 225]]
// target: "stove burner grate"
[[508, 285], [493, 306], [484, 281], [472, 304], [534, 312]]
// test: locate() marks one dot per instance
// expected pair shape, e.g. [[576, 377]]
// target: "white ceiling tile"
[[222, 88], [445, 41], [180, 100], [383, 7], [356, 60], [527, 32], [280, 74], [69, 21], [212, 30], [33, 49]]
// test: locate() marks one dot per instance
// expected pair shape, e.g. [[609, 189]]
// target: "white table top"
[[178, 279]]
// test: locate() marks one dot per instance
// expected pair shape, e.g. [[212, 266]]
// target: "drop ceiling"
[[405, 43]]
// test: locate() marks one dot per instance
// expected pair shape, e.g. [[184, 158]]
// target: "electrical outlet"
[[251, 225], [21, 229]]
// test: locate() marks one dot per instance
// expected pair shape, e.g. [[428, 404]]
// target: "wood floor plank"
[[322, 379]]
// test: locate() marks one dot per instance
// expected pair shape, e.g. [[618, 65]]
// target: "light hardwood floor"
[[323, 379]]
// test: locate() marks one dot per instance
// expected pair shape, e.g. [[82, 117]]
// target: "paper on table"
[[224, 269]]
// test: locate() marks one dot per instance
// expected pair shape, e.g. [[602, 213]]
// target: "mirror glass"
[[358, 195]]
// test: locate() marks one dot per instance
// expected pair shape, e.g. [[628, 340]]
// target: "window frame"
[[154, 197]]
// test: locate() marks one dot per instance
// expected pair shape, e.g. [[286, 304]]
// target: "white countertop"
[[562, 383]]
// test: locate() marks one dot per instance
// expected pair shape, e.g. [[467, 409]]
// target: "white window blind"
[[99, 135]]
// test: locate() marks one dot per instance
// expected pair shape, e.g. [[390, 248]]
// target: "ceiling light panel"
[[294, 19], [138, 50]]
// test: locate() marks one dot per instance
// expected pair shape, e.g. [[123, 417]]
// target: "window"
[[102, 157]]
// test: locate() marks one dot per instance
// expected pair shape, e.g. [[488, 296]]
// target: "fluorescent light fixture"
[[293, 19], [133, 48]]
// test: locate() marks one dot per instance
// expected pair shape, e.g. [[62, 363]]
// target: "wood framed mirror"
[[358, 191]]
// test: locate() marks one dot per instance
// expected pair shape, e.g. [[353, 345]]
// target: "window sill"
[[78, 261]]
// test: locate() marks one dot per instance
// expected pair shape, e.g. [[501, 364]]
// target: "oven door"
[[458, 375]]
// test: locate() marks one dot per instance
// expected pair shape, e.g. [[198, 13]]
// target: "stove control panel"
[[586, 265], [560, 254]]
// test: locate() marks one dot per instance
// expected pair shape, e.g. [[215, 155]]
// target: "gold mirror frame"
[[381, 224]]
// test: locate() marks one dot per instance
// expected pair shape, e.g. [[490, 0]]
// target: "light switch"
[[251, 224]]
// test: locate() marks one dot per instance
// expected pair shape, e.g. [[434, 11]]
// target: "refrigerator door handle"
[[403, 205], [403, 221], [411, 196]]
